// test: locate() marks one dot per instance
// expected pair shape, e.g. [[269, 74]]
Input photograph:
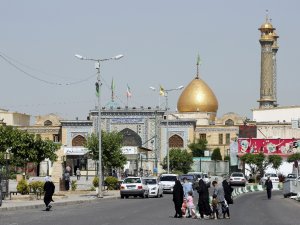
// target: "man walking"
[[269, 187], [49, 189]]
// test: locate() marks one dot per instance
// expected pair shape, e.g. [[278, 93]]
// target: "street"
[[251, 208]]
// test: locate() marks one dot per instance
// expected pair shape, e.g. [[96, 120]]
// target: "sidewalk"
[[60, 198]]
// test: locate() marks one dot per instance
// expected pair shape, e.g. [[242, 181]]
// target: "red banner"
[[268, 146]]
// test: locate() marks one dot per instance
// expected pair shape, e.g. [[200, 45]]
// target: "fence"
[[216, 168]]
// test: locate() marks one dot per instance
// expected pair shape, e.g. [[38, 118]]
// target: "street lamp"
[[166, 94], [7, 158], [98, 85]]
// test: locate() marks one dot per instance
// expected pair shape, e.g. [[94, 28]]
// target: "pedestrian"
[[203, 201], [219, 192], [78, 174], [190, 205], [67, 180], [214, 207], [187, 187], [227, 191], [178, 198], [49, 189], [269, 187]]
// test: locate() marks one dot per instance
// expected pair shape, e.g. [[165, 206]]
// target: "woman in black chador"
[[203, 202], [178, 198], [49, 189], [227, 191]]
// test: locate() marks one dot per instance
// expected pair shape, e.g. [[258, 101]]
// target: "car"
[[191, 178], [291, 176], [168, 181], [203, 176], [273, 177], [155, 187], [237, 178], [134, 186]]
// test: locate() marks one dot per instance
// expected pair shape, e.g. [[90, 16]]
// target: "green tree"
[[256, 162], [198, 147], [275, 161], [111, 143], [294, 157], [216, 155], [180, 160]]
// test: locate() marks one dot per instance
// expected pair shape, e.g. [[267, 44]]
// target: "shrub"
[[36, 186], [111, 182], [23, 187], [73, 185], [96, 182], [92, 189]]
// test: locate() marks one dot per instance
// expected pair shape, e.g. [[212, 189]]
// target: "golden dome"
[[267, 25], [197, 97]]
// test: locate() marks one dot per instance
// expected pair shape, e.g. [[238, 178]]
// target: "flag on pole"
[[198, 60], [97, 89], [113, 85], [161, 91], [128, 93]]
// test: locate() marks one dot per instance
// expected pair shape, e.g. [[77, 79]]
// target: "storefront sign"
[[75, 151], [129, 150], [268, 146]]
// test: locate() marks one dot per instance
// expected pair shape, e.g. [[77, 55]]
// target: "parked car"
[[203, 176], [134, 186], [273, 177], [155, 187], [168, 181], [291, 176], [190, 178], [237, 178]]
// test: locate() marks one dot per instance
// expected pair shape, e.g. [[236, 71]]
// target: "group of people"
[[209, 208]]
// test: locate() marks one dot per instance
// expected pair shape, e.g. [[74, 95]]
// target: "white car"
[[168, 182], [202, 175], [134, 186], [273, 177], [155, 188], [237, 178]]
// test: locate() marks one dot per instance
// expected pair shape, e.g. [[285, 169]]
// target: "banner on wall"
[[277, 146]]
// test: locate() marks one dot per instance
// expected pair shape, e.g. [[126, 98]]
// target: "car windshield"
[[168, 178], [150, 181], [188, 177], [271, 175], [132, 180], [237, 175]]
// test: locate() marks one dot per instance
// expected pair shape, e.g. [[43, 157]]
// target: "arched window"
[[78, 141], [130, 138], [47, 123], [175, 141], [229, 122]]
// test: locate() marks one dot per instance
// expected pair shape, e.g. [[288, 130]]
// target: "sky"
[[160, 41]]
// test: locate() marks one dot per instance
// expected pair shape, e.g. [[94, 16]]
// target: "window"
[[202, 136], [78, 141], [229, 122], [47, 123], [227, 139], [220, 139], [56, 138]]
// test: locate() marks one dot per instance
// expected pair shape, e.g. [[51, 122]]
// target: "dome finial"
[[267, 16], [198, 63]]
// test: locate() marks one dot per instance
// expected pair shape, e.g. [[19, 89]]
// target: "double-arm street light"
[[166, 94], [98, 88]]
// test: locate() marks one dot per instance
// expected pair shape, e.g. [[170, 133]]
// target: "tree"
[[216, 155], [198, 147], [256, 162], [111, 144], [294, 157], [25, 147], [180, 160], [275, 161]]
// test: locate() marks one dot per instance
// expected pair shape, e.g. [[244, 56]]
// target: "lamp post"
[[98, 88], [7, 158], [166, 94]]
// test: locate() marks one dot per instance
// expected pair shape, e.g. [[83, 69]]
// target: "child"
[[190, 204], [214, 206], [183, 207]]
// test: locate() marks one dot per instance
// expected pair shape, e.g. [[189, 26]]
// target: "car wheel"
[[126, 196], [122, 196], [161, 195]]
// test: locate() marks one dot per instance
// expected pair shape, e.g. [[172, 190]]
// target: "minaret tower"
[[275, 48], [267, 90]]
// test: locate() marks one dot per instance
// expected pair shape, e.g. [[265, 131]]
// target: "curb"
[[42, 205]]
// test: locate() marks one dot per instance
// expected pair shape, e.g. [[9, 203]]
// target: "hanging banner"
[[277, 146]]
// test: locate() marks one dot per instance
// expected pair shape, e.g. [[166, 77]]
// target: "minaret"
[[267, 97], [275, 48]]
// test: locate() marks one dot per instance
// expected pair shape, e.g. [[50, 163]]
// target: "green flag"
[[97, 89], [198, 60]]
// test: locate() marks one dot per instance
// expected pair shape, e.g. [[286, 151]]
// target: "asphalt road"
[[252, 208]]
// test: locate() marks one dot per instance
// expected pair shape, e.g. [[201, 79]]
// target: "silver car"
[[134, 186]]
